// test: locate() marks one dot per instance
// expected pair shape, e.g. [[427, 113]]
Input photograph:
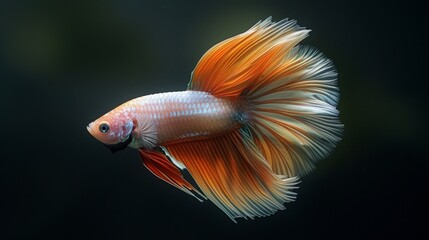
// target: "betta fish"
[[258, 113]]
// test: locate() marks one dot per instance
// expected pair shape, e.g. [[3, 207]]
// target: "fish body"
[[172, 117], [183, 116], [259, 111]]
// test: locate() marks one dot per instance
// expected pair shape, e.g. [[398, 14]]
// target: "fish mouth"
[[89, 129], [119, 146]]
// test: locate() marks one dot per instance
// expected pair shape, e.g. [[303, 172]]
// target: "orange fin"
[[292, 90], [161, 167], [233, 174], [234, 65]]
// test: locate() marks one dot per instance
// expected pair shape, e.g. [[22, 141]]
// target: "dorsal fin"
[[238, 63]]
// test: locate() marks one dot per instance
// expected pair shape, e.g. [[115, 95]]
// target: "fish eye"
[[104, 127]]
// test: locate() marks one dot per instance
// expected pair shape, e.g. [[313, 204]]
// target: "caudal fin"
[[292, 89], [295, 121]]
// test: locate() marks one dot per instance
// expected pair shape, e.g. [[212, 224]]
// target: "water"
[[64, 65]]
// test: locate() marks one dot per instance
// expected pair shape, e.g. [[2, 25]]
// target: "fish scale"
[[186, 114]]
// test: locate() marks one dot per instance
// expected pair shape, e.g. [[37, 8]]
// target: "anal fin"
[[160, 166], [234, 175]]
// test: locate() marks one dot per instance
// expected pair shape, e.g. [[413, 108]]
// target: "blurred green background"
[[65, 63]]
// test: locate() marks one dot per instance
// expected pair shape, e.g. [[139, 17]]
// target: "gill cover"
[[119, 146]]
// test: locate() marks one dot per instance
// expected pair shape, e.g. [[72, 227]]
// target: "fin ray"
[[157, 163], [292, 89], [233, 174], [298, 112], [233, 65]]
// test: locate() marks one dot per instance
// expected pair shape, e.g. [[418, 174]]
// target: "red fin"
[[234, 177], [161, 167]]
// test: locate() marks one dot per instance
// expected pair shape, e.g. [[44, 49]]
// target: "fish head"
[[113, 130]]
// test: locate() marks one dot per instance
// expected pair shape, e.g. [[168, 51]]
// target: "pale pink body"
[[175, 117]]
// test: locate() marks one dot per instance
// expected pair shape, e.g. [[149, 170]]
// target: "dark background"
[[65, 64]]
